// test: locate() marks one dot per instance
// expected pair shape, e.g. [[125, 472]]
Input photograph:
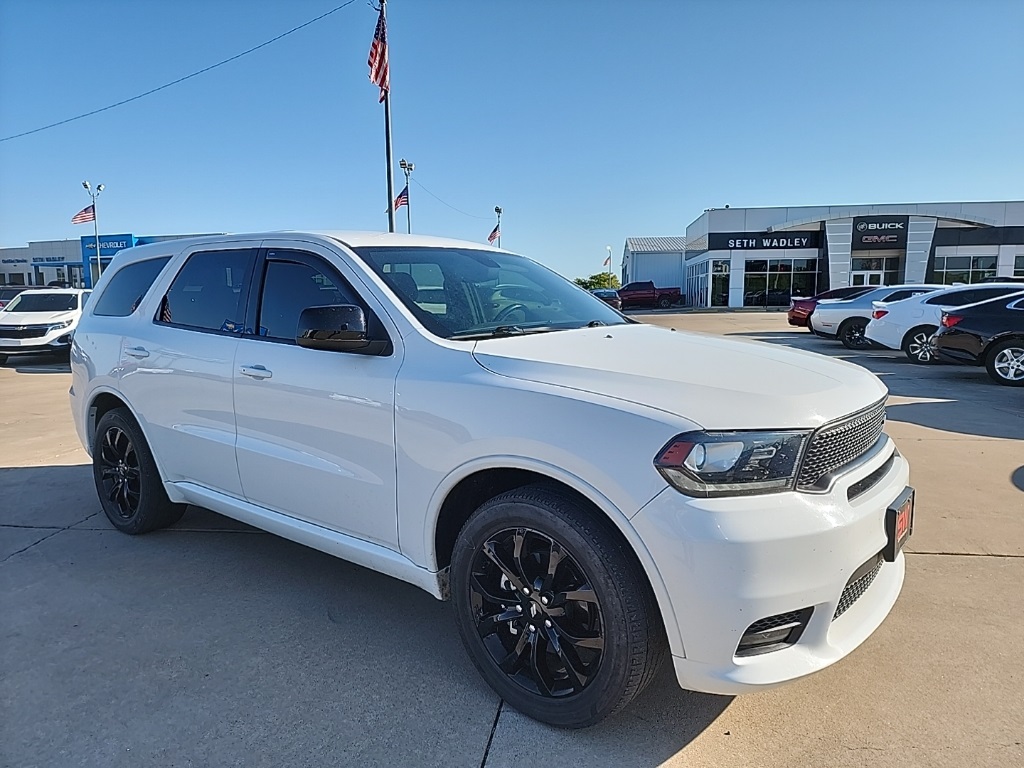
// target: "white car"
[[40, 322], [847, 319], [909, 324], [590, 492]]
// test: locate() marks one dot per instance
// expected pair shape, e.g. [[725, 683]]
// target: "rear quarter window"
[[128, 287]]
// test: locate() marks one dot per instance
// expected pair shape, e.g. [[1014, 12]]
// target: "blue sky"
[[588, 122]]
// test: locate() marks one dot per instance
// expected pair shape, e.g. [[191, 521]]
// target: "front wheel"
[[918, 345], [664, 302], [851, 333], [127, 481], [1005, 363], [553, 608]]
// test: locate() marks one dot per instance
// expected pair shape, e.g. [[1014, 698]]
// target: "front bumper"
[[52, 343], [729, 562]]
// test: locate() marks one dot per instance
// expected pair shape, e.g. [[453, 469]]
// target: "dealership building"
[[760, 257], [66, 261]]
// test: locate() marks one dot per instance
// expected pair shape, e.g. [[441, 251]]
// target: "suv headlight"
[[58, 326], [710, 464]]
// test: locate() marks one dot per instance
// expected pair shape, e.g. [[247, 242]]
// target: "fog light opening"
[[774, 633]]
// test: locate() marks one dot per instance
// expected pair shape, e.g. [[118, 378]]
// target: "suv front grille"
[[835, 445], [858, 585], [23, 332]]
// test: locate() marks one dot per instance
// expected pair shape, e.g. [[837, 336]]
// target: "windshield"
[[464, 293], [34, 301]]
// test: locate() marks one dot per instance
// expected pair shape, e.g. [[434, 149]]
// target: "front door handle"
[[139, 352], [255, 371]]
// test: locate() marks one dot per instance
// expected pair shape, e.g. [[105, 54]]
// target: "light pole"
[[408, 168], [95, 225], [497, 210], [609, 249]]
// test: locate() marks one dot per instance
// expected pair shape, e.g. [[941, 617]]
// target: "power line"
[[180, 79], [459, 210]]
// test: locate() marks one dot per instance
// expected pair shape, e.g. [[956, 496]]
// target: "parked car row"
[[980, 324]]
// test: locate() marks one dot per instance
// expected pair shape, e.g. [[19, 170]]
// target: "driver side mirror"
[[340, 328]]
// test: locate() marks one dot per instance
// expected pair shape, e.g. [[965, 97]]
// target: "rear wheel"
[[127, 481], [3, 359], [851, 333], [553, 609], [918, 345], [1005, 363], [664, 302]]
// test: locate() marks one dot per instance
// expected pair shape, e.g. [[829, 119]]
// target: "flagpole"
[[387, 140], [96, 232], [497, 210]]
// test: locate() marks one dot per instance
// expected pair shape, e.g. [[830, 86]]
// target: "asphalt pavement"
[[213, 644]]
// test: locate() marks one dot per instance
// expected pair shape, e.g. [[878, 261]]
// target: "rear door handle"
[[139, 352], [255, 371]]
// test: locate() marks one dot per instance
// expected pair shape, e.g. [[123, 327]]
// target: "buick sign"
[[879, 232]]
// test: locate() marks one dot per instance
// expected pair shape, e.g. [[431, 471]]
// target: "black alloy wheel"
[[127, 480], [665, 302], [121, 478], [851, 333], [537, 614], [553, 607], [919, 346]]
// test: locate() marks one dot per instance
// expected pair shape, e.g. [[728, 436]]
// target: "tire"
[[619, 641], [3, 359], [664, 302], [851, 333], [1005, 363], [127, 481], [918, 346]]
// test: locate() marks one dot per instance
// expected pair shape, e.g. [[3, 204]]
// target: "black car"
[[989, 333], [608, 296]]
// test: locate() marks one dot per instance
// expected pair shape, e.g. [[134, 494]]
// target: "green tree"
[[600, 280]]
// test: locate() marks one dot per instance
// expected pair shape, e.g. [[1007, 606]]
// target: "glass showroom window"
[[963, 269], [1018, 266], [888, 265], [720, 283], [771, 283]]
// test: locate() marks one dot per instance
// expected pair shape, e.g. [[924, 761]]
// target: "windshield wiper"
[[503, 330]]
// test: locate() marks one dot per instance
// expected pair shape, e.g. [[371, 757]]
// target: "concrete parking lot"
[[212, 644]]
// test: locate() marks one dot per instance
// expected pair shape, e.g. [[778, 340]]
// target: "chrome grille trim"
[[839, 443]]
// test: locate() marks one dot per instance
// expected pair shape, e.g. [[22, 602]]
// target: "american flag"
[[85, 215], [495, 233], [403, 198], [380, 74]]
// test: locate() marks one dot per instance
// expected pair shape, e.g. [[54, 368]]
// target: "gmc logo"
[[864, 226], [880, 238]]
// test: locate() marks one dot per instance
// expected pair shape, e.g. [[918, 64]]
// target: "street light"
[[95, 224], [609, 249], [497, 210], [408, 168]]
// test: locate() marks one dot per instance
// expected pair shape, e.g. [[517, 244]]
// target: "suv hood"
[[715, 382], [36, 318]]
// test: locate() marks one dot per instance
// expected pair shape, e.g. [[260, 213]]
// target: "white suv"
[[588, 491], [909, 324], [40, 322]]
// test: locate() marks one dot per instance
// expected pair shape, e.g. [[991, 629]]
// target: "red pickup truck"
[[645, 294]]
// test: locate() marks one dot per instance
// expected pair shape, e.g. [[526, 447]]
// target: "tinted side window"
[[957, 299], [126, 289], [982, 294], [906, 293], [209, 292], [290, 287]]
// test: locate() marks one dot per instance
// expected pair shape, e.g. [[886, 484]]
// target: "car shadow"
[[37, 364], [211, 623], [1017, 478]]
